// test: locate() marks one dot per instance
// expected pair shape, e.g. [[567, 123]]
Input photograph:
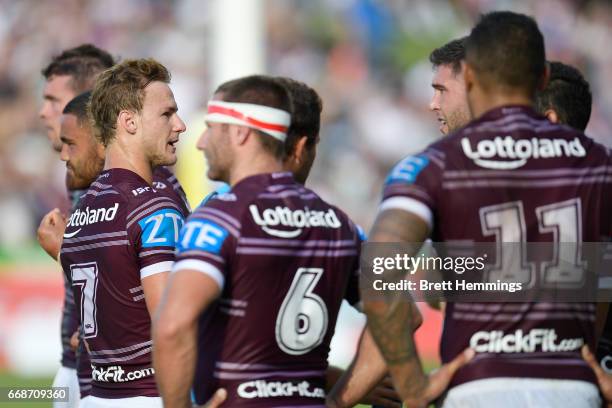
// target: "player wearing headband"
[[261, 271]]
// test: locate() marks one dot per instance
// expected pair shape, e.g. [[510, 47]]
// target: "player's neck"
[[119, 157], [259, 164], [491, 101]]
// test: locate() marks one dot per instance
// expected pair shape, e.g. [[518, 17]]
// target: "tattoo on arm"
[[391, 319]]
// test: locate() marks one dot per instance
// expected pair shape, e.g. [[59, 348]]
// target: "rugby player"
[[449, 101], [119, 242], [67, 75], [300, 152], [259, 259], [567, 97], [84, 157], [505, 65]]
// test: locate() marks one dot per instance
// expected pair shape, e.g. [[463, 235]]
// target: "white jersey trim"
[[156, 268], [411, 205], [201, 266]]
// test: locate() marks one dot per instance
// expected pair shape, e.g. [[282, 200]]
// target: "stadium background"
[[367, 59]]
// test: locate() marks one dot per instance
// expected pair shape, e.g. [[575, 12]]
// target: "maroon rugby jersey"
[[285, 259], [121, 231], [166, 183], [513, 175]]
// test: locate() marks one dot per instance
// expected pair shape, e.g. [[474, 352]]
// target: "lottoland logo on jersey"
[[505, 153], [520, 342], [267, 389], [82, 217], [298, 219], [117, 374]]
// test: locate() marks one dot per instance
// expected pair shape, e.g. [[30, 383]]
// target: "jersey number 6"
[[301, 323]]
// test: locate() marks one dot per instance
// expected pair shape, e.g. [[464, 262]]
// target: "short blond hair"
[[122, 88]]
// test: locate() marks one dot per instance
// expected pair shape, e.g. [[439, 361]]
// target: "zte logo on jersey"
[[506, 153], [161, 228], [203, 235], [520, 342], [298, 219]]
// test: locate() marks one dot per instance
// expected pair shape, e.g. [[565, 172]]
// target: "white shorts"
[[524, 393], [67, 377], [133, 402]]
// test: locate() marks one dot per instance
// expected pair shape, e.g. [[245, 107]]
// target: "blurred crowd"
[[367, 58]]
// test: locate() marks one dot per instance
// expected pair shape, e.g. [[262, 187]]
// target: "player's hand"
[[440, 378], [603, 379], [216, 400], [74, 341], [50, 232], [383, 395]]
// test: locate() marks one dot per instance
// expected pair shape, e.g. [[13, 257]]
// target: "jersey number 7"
[[85, 276]]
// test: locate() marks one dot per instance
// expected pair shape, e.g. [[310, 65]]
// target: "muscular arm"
[[153, 288], [390, 320], [175, 325], [367, 369]]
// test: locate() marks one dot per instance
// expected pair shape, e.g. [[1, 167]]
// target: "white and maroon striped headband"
[[271, 121]]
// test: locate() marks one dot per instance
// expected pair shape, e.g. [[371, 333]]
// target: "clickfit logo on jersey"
[[299, 219], [506, 153], [520, 342], [267, 389], [118, 374]]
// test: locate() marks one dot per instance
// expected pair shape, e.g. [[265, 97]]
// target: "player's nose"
[[433, 104], [42, 113], [180, 126], [201, 144], [64, 153]]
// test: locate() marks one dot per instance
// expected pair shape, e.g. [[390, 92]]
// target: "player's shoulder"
[[593, 148], [139, 199], [103, 190], [165, 182], [409, 167], [344, 220], [163, 178], [236, 200]]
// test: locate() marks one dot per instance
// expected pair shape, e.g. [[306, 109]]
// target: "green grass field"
[[8, 380]]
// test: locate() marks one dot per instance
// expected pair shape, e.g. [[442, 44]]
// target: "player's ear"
[[242, 134], [127, 120], [545, 78], [299, 150], [468, 75], [551, 115]]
